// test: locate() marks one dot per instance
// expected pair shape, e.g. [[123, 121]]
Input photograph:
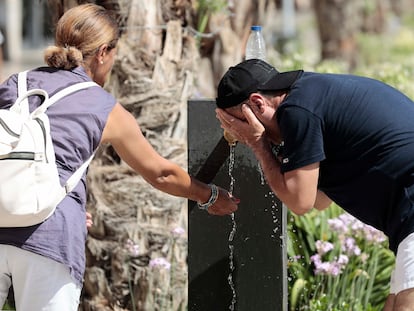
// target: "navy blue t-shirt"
[[362, 133]]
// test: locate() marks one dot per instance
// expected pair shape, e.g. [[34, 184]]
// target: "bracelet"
[[213, 198]]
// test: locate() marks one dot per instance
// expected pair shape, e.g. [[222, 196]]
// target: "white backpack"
[[29, 181]]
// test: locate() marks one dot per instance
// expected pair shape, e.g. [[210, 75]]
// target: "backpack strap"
[[62, 93], [22, 83], [77, 175], [22, 89], [21, 106], [22, 99]]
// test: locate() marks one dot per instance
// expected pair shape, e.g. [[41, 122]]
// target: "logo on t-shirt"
[[285, 160]]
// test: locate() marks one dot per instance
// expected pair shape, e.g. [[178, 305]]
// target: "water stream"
[[233, 230], [274, 210]]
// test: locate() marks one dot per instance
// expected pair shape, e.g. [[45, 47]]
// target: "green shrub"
[[336, 262]]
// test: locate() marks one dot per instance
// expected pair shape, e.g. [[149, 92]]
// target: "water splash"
[[279, 226], [231, 166], [232, 232], [274, 208], [262, 178]]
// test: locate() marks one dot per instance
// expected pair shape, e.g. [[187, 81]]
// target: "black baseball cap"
[[251, 76]]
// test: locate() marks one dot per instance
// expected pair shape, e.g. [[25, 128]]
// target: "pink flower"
[[323, 247], [350, 247], [178, 231], [343, 260], [348, 224], [132, 248], [333, 268], [160, 262]]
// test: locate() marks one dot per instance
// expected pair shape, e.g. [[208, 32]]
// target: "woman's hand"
[[89, 221], [225, 204]]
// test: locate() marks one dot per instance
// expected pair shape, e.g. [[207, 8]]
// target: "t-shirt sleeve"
[[301, 131]]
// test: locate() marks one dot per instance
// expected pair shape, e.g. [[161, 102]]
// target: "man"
[[340, 138]]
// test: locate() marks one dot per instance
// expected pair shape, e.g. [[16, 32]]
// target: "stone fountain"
[[259, 259]]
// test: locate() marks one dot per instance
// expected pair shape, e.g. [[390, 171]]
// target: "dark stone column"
[[259, 257]]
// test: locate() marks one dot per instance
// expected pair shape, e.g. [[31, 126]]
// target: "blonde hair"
[[80, 32]]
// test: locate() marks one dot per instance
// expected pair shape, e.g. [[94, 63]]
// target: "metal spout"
[[230, 139]]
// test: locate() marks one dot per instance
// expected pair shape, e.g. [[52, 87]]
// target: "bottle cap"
[[256, 27]]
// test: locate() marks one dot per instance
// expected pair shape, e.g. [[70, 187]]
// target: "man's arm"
[[297, 189], [322, 201]]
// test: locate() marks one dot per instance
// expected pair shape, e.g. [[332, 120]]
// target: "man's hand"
[[247, 129]]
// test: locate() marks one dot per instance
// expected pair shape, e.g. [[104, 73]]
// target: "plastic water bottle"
[[255, 47]]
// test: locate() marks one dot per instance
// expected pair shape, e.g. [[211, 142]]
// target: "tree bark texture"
[[340, 21], [152, 78]]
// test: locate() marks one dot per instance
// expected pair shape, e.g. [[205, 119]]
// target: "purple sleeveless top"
[[76, 123]]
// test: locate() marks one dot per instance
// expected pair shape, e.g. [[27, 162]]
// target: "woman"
[[45, 263]]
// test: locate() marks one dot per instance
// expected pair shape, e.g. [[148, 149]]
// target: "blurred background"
[[26, 28], [171, 51]]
